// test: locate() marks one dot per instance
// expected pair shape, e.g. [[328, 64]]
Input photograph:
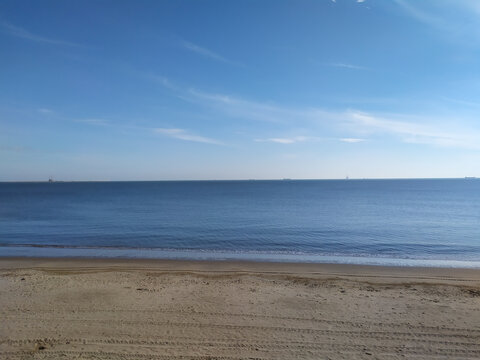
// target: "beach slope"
[[145, 309]]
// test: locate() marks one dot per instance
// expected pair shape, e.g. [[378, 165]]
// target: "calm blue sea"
[[389, 222]]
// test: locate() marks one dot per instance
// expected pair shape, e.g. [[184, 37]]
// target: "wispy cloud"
[[348, 66], [160, 79], [16, 149], [25, 34], [241, 108], [419, 14], [58, 116], [238, 107], [417, 132], [407, 128], [354, 125], [462, 102], [352, 140], [94, 121], [45, 111], [289, 140], [298, 139], [446, 17], [206, 53], [183, 134]]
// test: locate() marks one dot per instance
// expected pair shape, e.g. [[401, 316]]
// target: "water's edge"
[[195, 255]]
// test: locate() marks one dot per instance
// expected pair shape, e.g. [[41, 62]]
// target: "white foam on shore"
[[13, 251]]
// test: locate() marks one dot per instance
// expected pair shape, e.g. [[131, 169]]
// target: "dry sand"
[[121, 309]]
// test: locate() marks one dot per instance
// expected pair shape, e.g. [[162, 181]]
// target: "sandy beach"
[[145, 309]]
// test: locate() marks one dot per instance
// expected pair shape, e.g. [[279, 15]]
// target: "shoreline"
[[377, 273], [222, 256]]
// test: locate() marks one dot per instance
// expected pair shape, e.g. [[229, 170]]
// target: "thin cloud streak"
[[16, 149], [348, 66], [253, 110], [462, 102], [45, 111], [419, 14], [93, 121], [407, 131], [184, 135], [206, 53], [298, 139], [19, 32], [237, 107], [291, 140], [445, 17], [419, 133], [407, 128], [352, 140]]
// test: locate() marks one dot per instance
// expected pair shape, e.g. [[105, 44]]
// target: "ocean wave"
[[34, 250]]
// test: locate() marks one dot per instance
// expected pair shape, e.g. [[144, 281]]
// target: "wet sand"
[[159, 309]]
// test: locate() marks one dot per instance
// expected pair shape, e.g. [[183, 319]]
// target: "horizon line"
[[270, 179]]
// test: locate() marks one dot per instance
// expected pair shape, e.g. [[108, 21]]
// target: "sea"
[[417, 222]]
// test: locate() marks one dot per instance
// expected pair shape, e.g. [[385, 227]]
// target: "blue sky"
[[154, 90]]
